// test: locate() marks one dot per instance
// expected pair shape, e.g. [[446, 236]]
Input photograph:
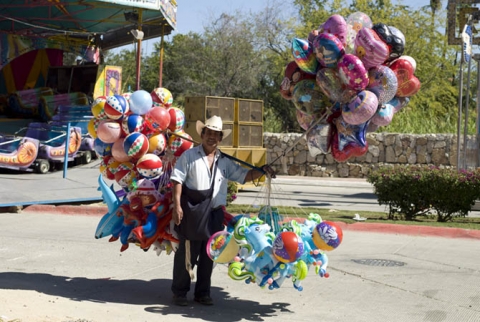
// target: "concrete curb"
[[414, 230]]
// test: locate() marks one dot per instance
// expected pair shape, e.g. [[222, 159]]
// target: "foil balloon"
[[383, 83], [361, 108], [370, 48], [327, 235], [328, 49], [410, 59], [398, 103], [408, 83], [309, 98], [352, 72], [332, 86], [292, 75], [221, 247], [318, 139], [396, 44], [384, 115], [358, 20], [304, 56], [350, 40], [337, 26], [304, 119], [348, 140]]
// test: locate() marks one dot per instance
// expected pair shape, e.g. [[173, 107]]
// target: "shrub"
[[413, 191], [232, 190]]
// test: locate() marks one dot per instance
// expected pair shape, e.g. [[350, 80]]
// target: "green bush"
[[232, 191], [414, 191]]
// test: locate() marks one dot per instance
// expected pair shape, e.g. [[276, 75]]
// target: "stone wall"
[[384, 149]]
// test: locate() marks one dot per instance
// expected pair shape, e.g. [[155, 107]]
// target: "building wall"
[[384, 149]]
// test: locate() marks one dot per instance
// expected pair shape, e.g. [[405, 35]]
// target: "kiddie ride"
[[41, 148]]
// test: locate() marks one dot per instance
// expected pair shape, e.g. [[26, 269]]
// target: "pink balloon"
[[157, 119], [109, 131], [118, 152]]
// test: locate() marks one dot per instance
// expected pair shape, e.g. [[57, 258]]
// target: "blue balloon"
[[140, 102], [101, 148]]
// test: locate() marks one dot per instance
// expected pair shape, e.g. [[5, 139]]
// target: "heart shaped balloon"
[[337, 26], [383, 82], [352, 72], [348, 141], [304, 56], [328, 49], [408, 83], [370, 48], [292, 75]]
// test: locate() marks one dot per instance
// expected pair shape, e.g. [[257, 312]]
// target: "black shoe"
[[180, 300], [205, 300]]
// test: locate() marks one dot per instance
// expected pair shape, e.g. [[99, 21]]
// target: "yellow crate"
[[247, 110], [191, 128], [204, 107], [248, 135]]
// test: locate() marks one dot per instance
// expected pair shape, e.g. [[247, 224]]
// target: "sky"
[[193, 15]]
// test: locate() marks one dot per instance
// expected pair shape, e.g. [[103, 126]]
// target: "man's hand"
[[268, 170], [177, 215]]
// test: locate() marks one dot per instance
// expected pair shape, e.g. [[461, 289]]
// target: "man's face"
[[211, 137]]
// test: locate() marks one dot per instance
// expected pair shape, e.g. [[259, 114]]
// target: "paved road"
[[52, 270]]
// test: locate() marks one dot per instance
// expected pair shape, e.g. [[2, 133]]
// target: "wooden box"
[[248, 135], [249, 111], [204, 107]]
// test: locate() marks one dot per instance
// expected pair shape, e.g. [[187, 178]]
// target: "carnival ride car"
[[18, 153]]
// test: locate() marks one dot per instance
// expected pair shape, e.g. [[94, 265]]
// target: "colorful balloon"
[[162, 96], [177, 119], [352, 72], [135, 145], [361, 108], [116, 107], [287, 247], [98, 108], [396, 44], [337, 26], [384, 115], [370, 48], [383, 83], [328, 49], [408, 83], [125, 174], [222, 248], [109, 131], [101, 148], [149, 166], [304, 56], [180, 143], [332, 86], [327, 235], [309, 98], [118, 152], [140, 102], [157, 143], [292, 75], [157, 119]]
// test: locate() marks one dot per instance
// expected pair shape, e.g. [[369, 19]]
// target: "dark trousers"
[[181, 278]]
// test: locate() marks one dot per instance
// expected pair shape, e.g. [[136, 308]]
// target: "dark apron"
[[199, 222]]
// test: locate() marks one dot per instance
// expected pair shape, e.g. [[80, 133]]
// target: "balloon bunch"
[[138, 137], [349, 77], [257, 255]]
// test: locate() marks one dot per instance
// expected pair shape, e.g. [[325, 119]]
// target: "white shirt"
[[192, 169]]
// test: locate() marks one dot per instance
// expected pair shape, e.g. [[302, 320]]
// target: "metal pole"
[[465, 126], [139, 52], [477, 129], [459, 121], [65, 159], [160, 71]]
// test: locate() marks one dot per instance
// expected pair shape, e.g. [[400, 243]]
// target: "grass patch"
[[372, 217]]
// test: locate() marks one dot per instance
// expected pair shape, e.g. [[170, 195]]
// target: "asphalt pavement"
[[52, 269]]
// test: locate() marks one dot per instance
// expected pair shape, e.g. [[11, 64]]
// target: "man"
[[200, 179]]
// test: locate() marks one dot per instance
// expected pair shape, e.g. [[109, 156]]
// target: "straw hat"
[[214, 123]]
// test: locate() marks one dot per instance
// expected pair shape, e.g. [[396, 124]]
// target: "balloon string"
[[321, 118]]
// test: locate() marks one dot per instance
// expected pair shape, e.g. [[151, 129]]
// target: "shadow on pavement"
[[155, 294]]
